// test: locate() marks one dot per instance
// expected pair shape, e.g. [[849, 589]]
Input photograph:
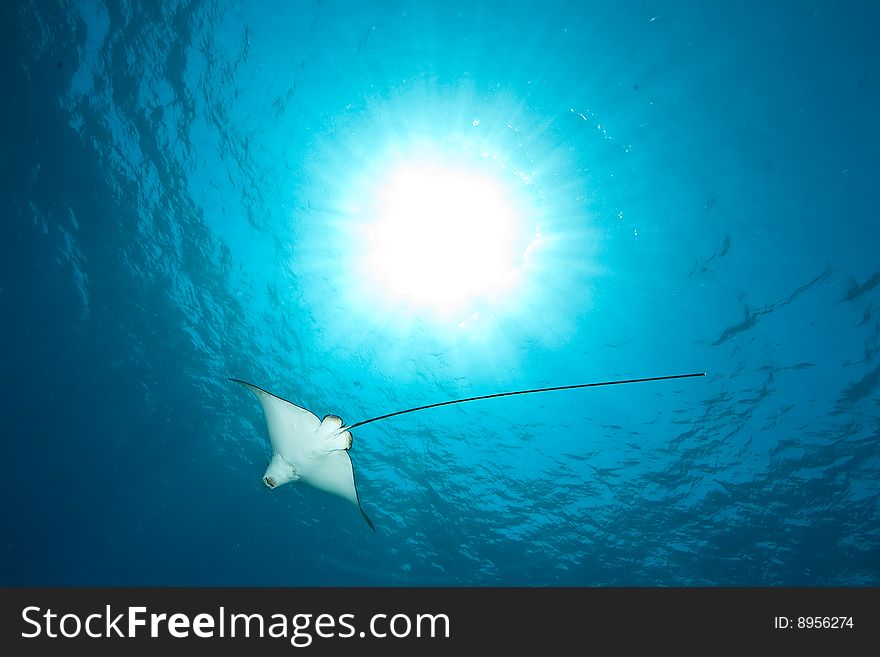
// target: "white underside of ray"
[[305, 448]]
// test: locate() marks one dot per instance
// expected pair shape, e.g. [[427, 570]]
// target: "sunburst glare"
[[445, 238], [449, 212]]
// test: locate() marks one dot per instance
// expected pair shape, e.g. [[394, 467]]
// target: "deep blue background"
[[176, 183]]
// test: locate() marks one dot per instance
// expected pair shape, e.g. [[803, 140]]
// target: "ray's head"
[[279, 472]]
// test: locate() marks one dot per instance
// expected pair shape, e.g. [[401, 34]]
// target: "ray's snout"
[[269, 481]]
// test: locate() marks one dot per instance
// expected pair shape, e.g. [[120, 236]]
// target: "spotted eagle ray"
[[315, 451]]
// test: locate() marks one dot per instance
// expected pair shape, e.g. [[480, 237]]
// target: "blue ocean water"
[[185, 186]]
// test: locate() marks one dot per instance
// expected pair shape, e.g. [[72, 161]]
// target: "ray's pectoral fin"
[[367, 518], [333, 472], [291, 427]]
